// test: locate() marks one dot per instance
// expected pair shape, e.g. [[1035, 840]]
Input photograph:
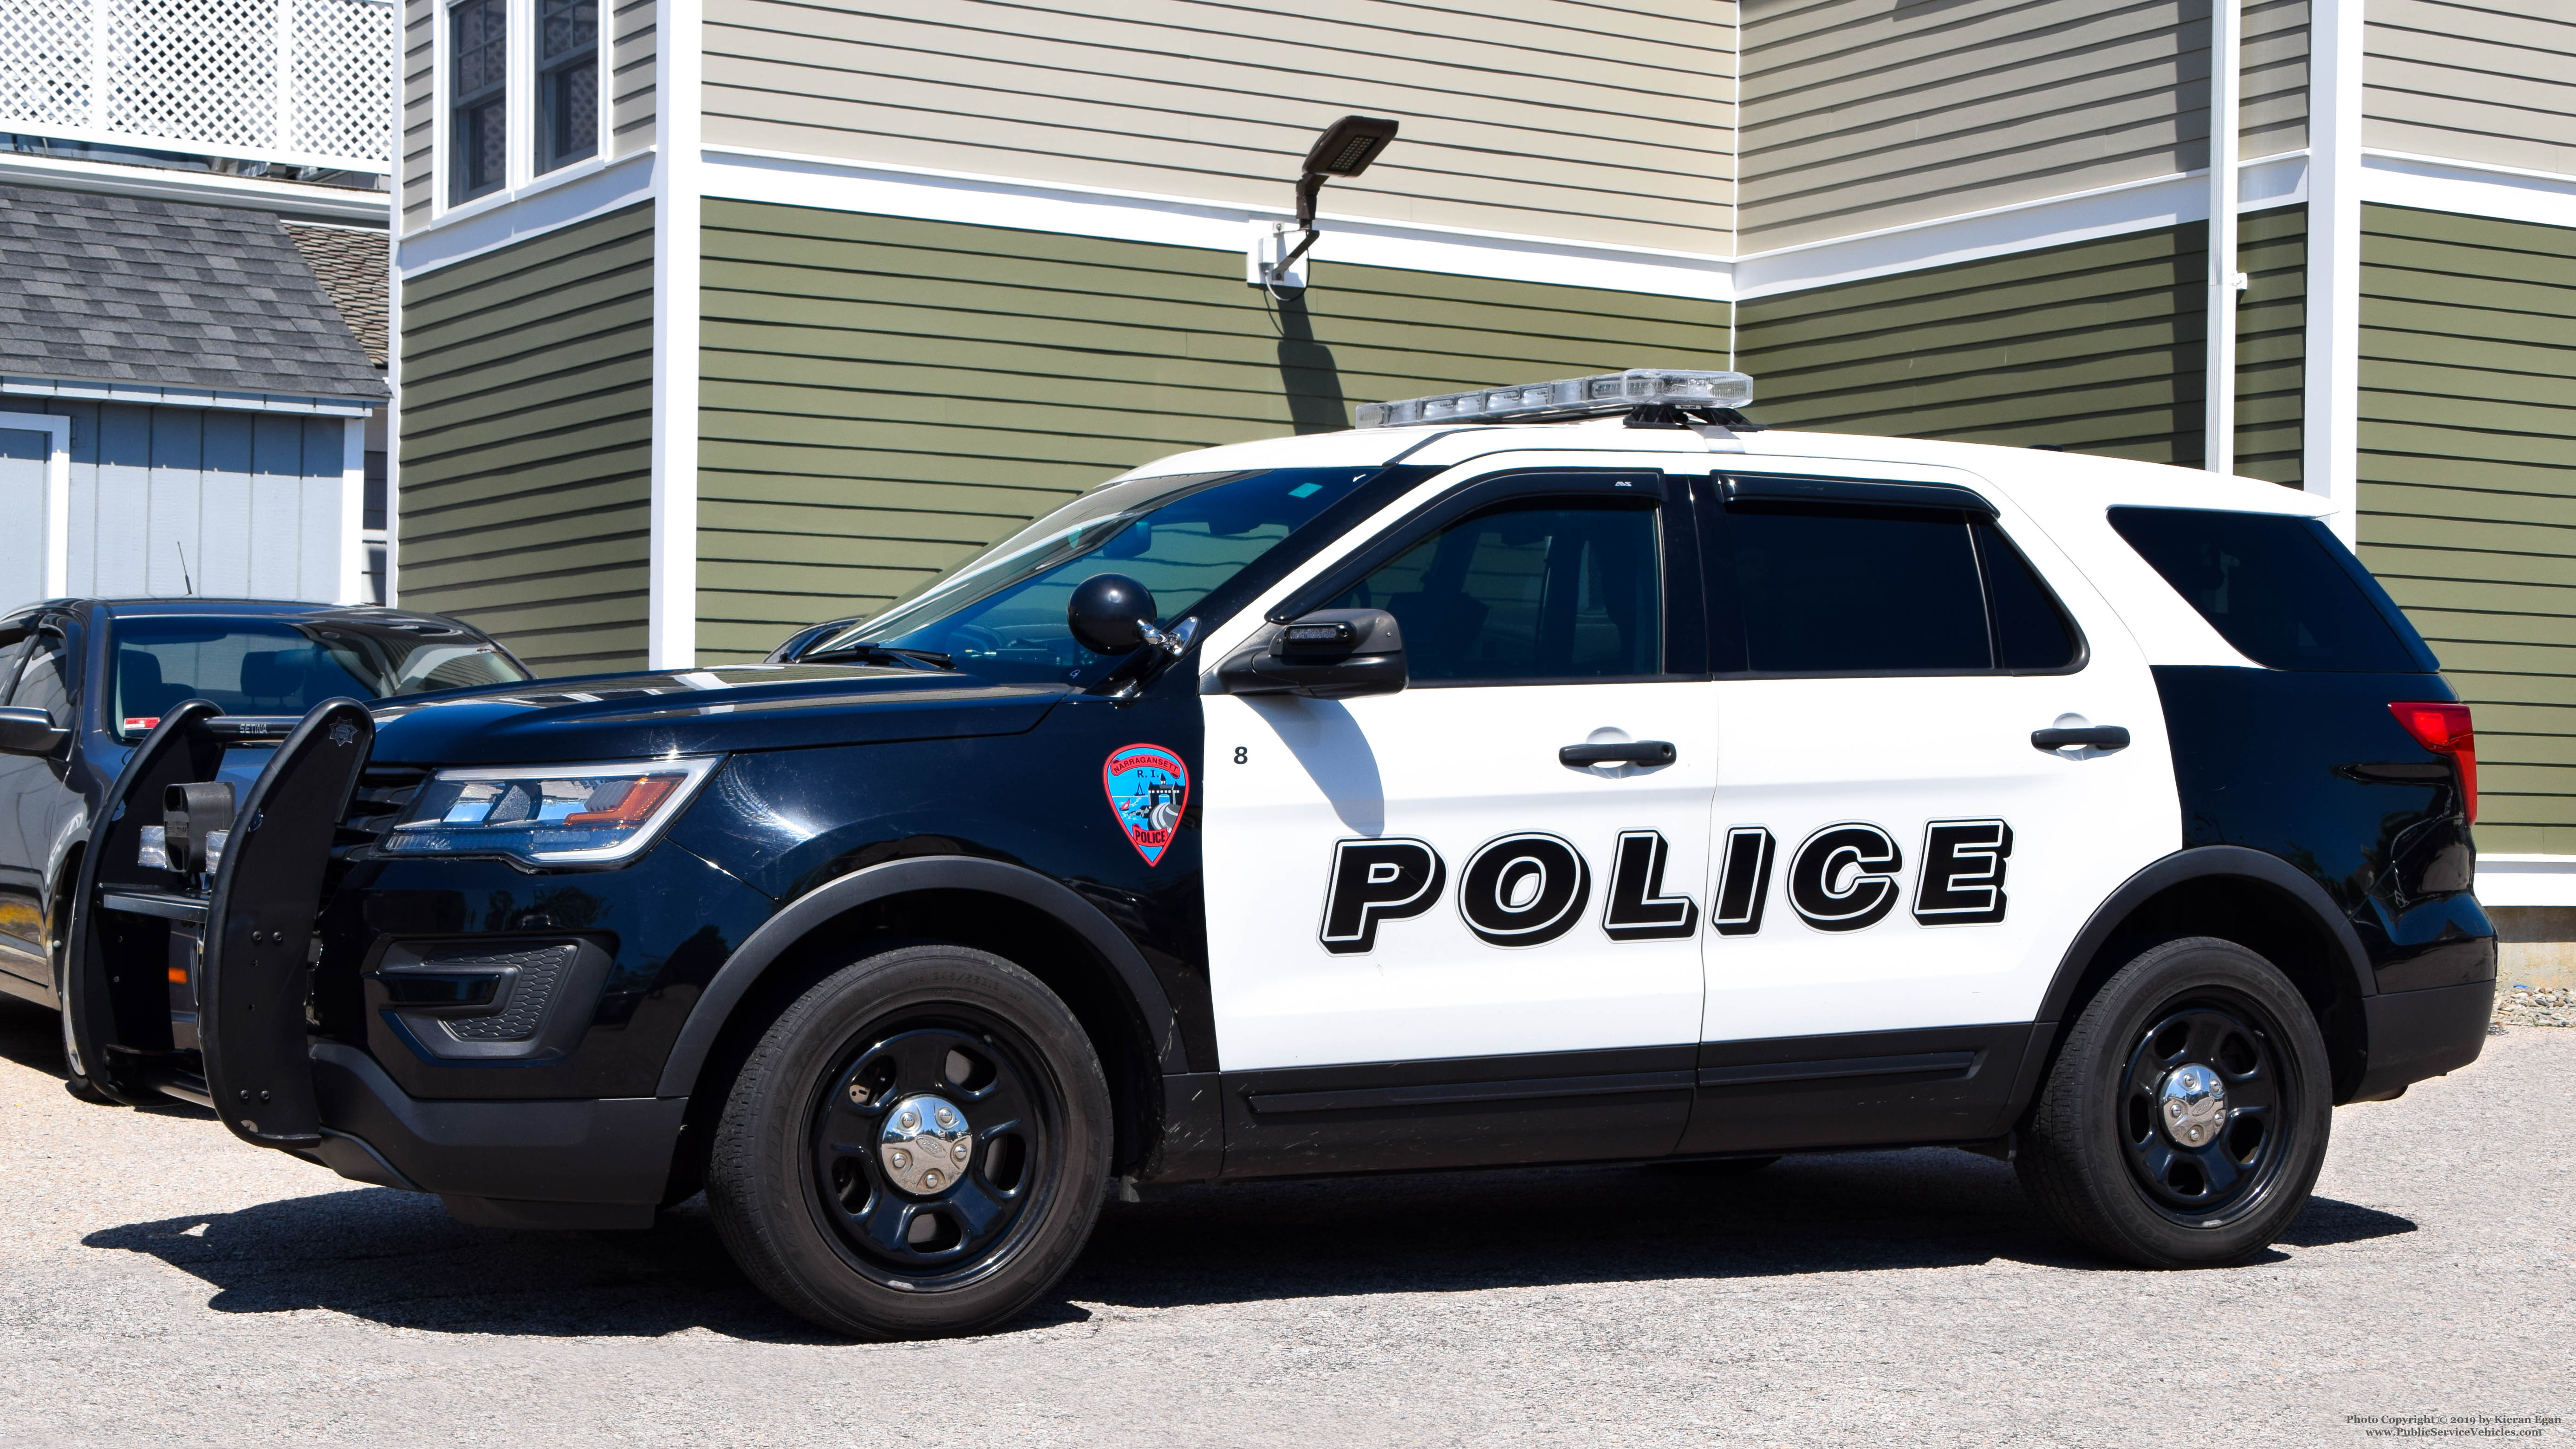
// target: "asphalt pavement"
[[161, 1284]]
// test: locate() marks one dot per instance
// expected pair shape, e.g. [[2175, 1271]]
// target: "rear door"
[[1432, 938], [1901, 865]]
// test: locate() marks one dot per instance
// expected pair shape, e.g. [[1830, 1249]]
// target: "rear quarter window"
[[2283, 590]]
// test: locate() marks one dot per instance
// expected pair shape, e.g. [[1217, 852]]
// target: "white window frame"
[[520, 177], [58, 494]]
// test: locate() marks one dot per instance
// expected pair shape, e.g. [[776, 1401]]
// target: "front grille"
[[383, 793]]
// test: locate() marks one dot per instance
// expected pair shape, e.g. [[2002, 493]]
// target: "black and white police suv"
[[1562, 773]]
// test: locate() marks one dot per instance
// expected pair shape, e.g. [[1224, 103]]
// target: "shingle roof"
[[350, 264], [126, 289]]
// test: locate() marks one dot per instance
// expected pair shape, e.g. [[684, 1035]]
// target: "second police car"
[[1550, 774]]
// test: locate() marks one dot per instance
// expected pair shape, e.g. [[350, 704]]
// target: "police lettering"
[[1530, 887]]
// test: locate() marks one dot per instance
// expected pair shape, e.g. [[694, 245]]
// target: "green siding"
[[882, 397], [2468, 487], [2095, 346], [527, 443]]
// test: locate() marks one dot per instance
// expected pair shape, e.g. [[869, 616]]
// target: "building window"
[[567, 81], [479, 98]]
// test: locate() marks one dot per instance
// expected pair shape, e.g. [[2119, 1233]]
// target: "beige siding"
[[1595, 120], [881, 397], [2493, 82], [527, 441], [2468, 487], [2096, 346], [418, 125], [632, 32], [1860, 114]]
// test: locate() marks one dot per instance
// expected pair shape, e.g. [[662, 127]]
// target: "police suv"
[[1562, 773]]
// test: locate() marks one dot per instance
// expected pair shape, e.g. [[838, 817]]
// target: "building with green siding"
[[720, 317]]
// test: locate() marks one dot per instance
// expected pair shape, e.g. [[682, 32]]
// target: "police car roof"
[[2040, 480]]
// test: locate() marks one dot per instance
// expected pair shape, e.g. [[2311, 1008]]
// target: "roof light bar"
[[1571, 397]]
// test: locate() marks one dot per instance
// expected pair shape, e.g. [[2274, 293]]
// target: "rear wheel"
[[917, 1147], [2186, 1116]]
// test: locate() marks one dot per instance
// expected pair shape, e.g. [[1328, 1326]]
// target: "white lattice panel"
[[344, 51], [194, 70], [204, 76], [45, 61]]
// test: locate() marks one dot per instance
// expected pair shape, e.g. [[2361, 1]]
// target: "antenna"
[[183, 567]]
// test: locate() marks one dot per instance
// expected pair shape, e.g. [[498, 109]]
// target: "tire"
[[2218, 1184], [884, 1239], [75, 1081]]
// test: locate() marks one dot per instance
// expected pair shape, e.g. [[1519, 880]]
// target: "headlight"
[[549, 814]]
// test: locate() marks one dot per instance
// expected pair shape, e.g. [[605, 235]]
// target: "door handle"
[[2100, 737], [1627, 752]]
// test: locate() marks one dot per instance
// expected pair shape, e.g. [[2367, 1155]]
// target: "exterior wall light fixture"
[[1345, 149]]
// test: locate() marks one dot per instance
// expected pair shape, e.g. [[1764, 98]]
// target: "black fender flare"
[[800, 917], [2196, 863]]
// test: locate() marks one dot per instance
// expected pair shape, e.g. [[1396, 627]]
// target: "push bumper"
[[2420, 1034], [535, 1164]]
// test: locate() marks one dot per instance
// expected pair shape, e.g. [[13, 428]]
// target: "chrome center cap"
[[2192, 1104], [925, 1144]]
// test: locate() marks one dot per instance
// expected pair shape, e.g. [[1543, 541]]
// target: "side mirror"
[[30, 732], [1114, 614], [1329, 654]]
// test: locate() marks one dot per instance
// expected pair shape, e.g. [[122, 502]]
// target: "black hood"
[[703, 711]]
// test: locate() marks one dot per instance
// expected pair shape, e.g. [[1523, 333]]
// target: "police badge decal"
[[1148, 789]]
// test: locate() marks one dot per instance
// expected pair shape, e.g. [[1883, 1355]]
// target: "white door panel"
[[1900, 754], [1455, 769]]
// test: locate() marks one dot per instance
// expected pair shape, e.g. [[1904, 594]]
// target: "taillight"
[[2443, 728]]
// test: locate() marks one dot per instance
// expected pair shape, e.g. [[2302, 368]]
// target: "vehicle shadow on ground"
[[398, 1259]]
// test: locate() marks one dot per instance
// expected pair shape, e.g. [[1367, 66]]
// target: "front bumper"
[[2420, 1034], [597, 1163]]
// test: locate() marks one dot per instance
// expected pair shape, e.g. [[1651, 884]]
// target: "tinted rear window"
[[1857, 591], [272, 668], [2283, 590]]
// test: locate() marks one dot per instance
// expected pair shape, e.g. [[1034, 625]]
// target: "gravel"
[[2520, 1005], [159, 1284]]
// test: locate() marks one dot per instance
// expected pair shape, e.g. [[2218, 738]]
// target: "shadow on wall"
[[1307, 373]]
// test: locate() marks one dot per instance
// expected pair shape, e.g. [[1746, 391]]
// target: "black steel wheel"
[[918, 1146], [2186, 1116], [2201, 1117], [911, 1197]]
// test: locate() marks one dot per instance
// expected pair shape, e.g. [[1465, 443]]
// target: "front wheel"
[[75, 1080], [917, 1147], [2186, 1116]]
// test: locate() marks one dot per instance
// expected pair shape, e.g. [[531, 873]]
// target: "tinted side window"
[[1855, 590], [2271, 585], [2031, 631], [42, 684], [1545, 590]]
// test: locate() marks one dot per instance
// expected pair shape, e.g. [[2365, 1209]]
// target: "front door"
[[1902, 866], [1435, 936], [35, 809]]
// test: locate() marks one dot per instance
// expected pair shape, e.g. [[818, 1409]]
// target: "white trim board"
[[558, 200], [73, 389], [58, 494], [741, 174], [2270, 181], [298, 199], [2431, 183], [2526, 880]]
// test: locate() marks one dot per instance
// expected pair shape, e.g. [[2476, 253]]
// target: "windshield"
[[281, 668], [1001, 615]]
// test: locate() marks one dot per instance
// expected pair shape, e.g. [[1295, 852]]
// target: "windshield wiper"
[[884, 654]]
